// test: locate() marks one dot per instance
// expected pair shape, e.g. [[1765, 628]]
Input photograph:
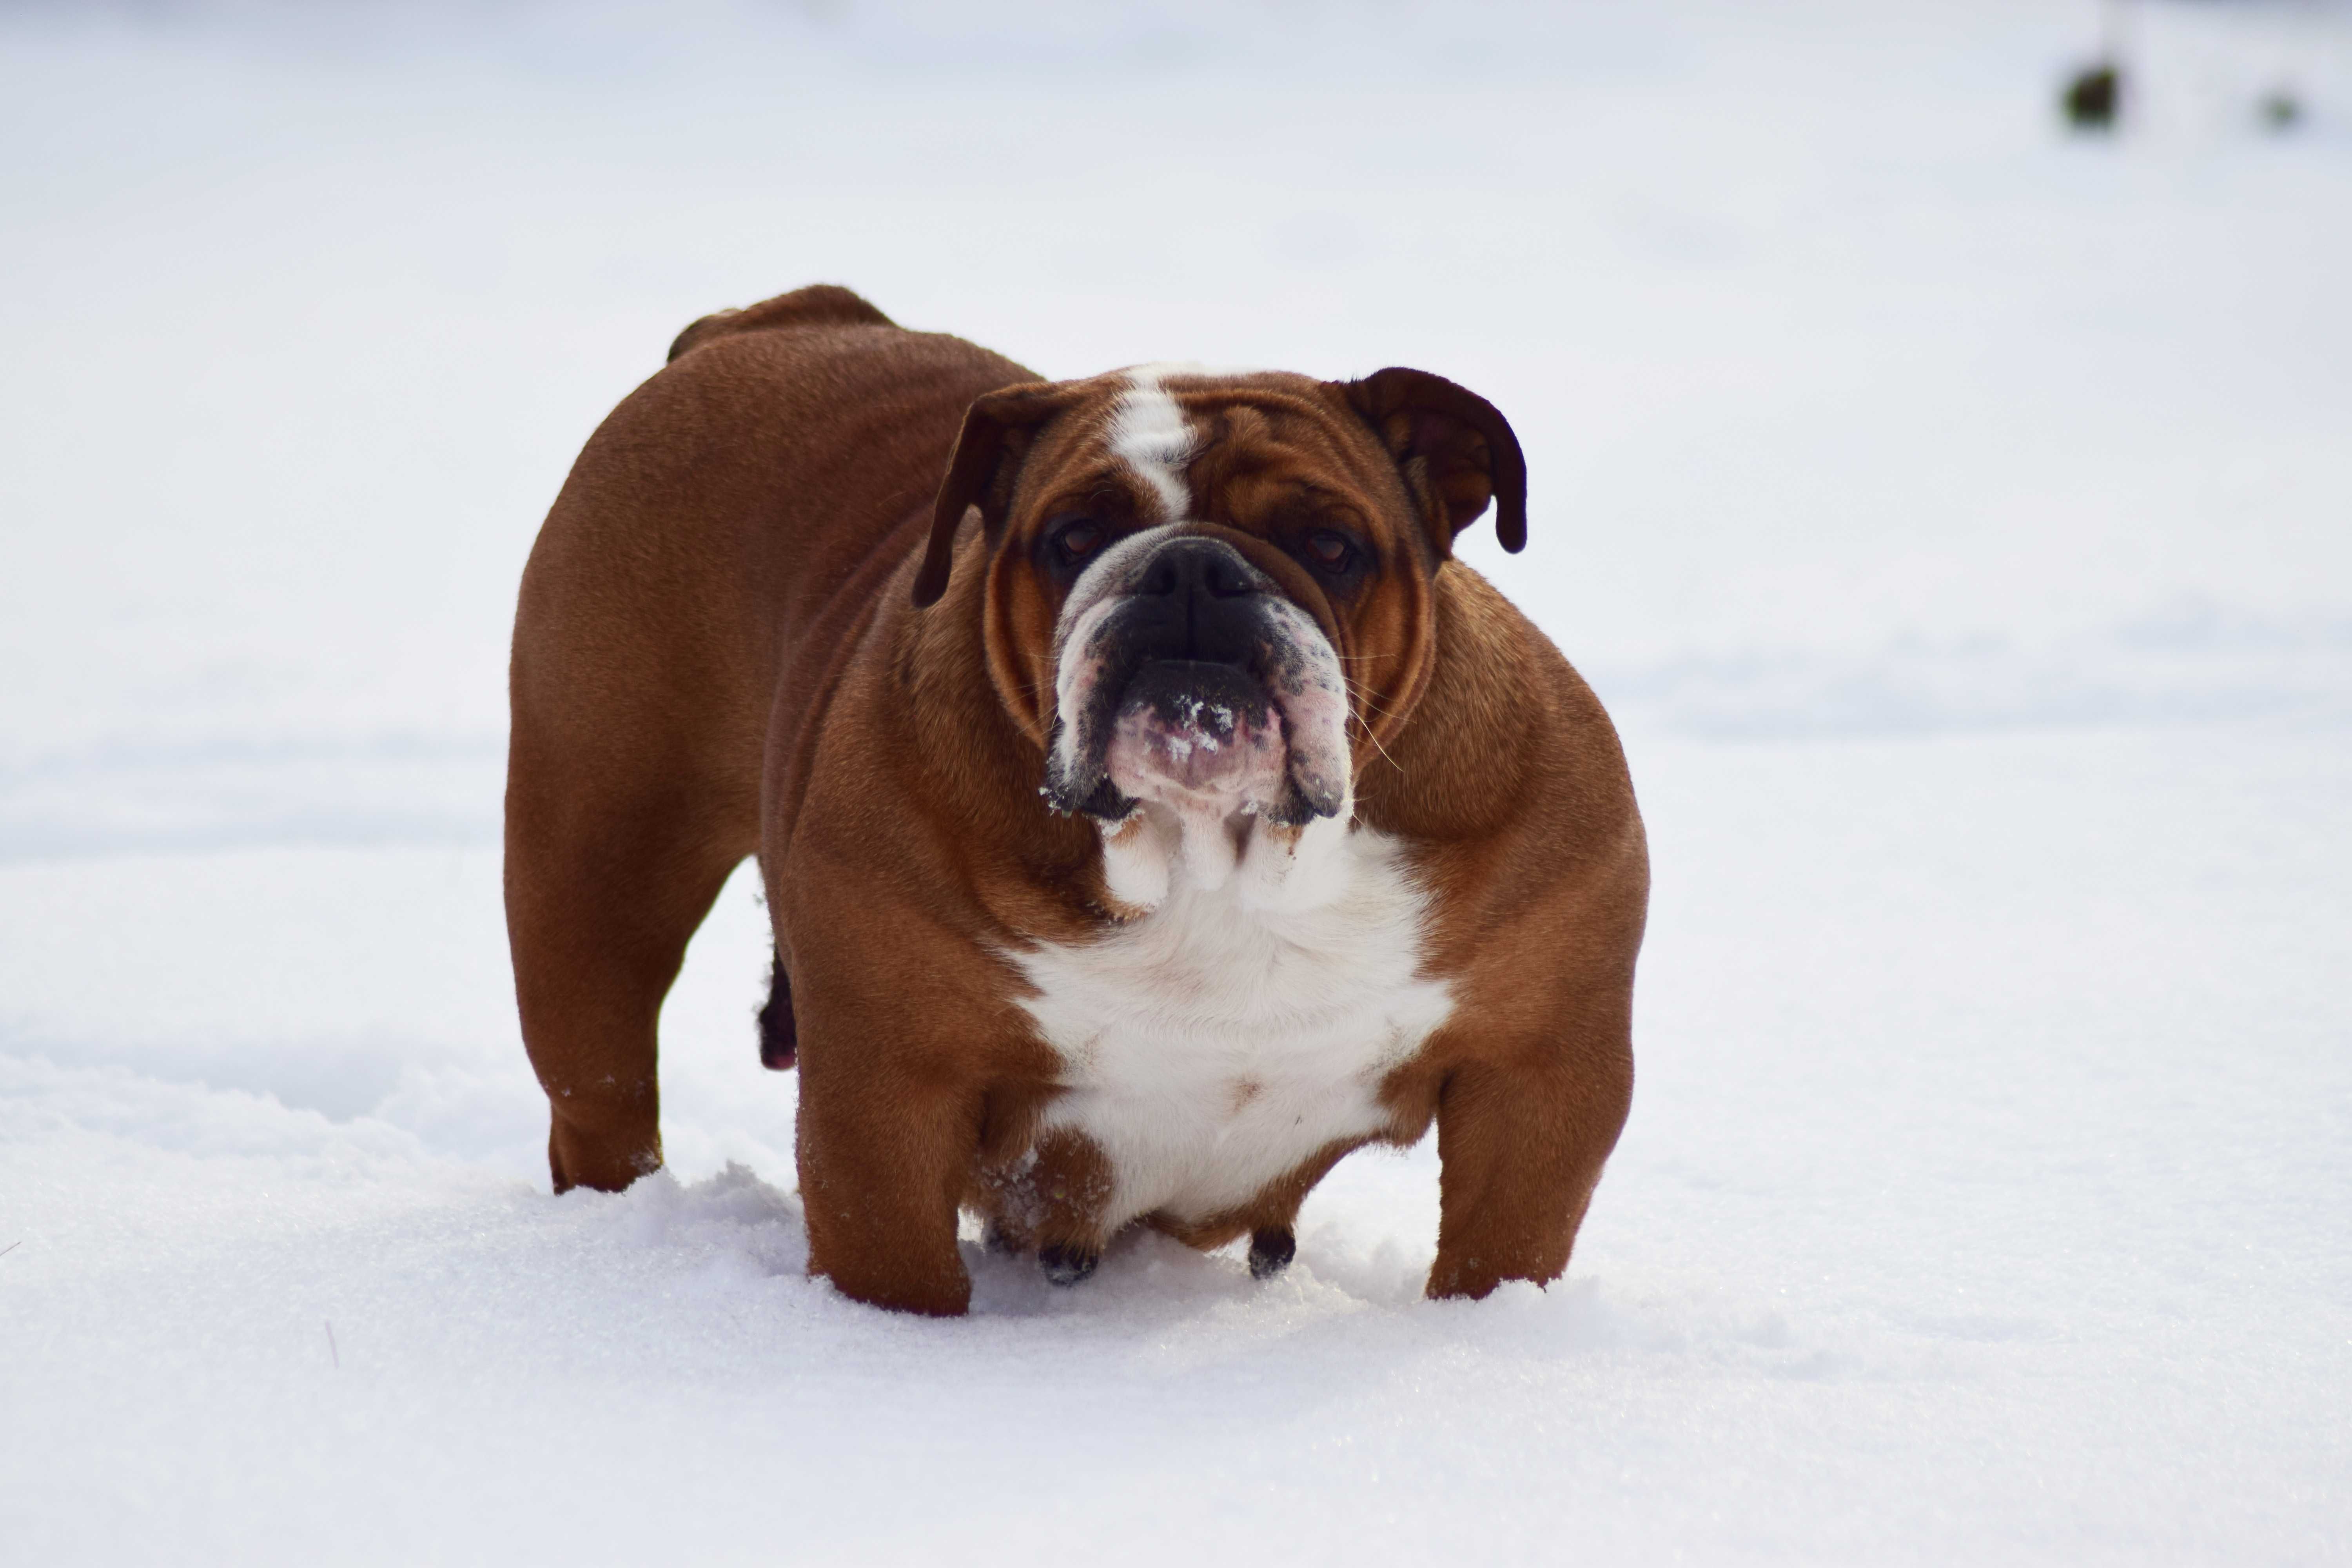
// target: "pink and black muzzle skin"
[[1186, 678]]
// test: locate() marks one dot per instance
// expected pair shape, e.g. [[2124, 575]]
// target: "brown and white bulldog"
[[1152, 809]]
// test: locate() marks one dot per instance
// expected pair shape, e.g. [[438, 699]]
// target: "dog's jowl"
[[1152, 808]]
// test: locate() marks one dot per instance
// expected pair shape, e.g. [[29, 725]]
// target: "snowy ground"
[[1955, 514]]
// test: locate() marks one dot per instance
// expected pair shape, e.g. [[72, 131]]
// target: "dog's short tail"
[[780, 1038], [818, 305]]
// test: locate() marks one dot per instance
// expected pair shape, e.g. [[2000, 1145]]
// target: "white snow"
[[1953, 512]]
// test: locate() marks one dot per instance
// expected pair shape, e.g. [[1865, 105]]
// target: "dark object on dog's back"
[[2092, 97]]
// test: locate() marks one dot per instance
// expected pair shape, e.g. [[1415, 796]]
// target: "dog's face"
[[1208, 596]]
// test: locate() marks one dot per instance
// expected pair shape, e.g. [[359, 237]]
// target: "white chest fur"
[[1223, 1039]]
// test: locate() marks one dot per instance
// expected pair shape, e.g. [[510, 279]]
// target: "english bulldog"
[[1151, 808]]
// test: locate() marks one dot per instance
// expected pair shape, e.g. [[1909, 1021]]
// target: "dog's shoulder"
[[1509, 775], [818, 305]]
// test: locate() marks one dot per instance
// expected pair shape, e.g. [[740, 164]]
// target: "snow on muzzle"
[[1183, 676]]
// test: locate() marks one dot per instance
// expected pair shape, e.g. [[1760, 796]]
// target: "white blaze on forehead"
[[1150, 435]]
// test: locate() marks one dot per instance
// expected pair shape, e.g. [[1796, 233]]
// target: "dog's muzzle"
[[1187, 677]]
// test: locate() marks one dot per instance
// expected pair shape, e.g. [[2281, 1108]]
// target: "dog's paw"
[[1271, 1250], [1067, 1264]]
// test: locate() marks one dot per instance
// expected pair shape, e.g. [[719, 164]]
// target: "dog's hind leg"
[[632, 777], [605, 884], [682, 574]]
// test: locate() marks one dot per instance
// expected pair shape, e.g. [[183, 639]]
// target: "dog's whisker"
[[1368, 703]]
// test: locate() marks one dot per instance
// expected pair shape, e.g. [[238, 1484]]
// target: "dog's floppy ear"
[[1456, 449], [997, 429]]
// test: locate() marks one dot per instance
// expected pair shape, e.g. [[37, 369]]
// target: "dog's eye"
[[1332, 551], [1074, 541]]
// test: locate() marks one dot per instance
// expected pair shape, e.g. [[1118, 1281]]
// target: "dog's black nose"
[[1201, 567], [1198, 599]]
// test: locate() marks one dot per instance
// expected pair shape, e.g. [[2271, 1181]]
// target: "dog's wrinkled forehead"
[[1384, 470], [1151, 439], [1165, 451], [1188, 443]]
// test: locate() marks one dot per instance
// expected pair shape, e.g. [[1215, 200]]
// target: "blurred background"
[[1865, 396], [1861, 395], [1939, 422]]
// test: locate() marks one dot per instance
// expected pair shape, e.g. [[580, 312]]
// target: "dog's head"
[[1208, 596]]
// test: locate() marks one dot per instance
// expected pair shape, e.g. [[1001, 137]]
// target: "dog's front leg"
[[884, 1159], [1521, 1146]]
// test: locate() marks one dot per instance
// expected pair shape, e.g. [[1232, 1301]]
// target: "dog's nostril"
[[1222, 581], [1185, 569]]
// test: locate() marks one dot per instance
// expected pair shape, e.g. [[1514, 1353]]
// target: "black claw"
[[1067, 1264], [1271, 1250]]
